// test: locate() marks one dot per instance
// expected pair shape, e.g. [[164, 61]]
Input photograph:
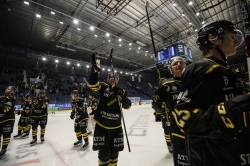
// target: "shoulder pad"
[[200, 68]]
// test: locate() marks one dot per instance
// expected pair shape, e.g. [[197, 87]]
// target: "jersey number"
[[185, 116]]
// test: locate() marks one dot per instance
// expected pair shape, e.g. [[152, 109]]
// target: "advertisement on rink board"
[[244, 9]]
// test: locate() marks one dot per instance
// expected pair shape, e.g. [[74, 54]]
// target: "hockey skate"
[[42, 139], [25, 135], [19, 135], [33, 142], [2, 153], [85, 146], [78, 143]]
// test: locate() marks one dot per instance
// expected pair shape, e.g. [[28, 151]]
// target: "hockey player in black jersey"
[[108, 135], [92, 104], [79, 113], [164, 99], [23, 126], [7, 117], [39, 116], [212, 108]]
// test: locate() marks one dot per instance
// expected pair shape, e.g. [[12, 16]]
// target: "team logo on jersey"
[[108, 92], [174, 88], [225, 80]]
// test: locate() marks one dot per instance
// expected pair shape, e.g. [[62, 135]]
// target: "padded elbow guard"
[[126, 103], [232, 117]]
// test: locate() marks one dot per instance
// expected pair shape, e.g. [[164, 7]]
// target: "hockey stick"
[[158, 69], [112, 69], [153, 43]]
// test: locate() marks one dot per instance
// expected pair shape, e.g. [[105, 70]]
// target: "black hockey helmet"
[[217, 29], [75, 92], [42, 92], [13, 89]]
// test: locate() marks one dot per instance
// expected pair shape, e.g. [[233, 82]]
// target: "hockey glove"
[[158, 107], [157, 117], [126, 103], [72, 115], [18, 112], [95, 67], [232, 117]]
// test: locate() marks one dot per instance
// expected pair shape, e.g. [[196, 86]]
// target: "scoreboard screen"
[[178, 49]]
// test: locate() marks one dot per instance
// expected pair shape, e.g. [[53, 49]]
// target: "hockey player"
[[212, 108], [93, 103], [23, 126], [7, 117], [39, 116], [108, 135], [79, 113], [164, 99]]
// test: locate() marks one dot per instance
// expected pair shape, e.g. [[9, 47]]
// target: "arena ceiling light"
[[68, 63], [119, 39], [190, 3], [44, 59], [108, 69], [92, 28], [38, 15], [75, 21], [103, 69], [87, 66], [130, 44], [61, 22], [197, 14], [120, 45], [78, 64], [203, 22], [121, 72], [129, 48], [107, 34], [56, 61], [26, 2], [52, 12], [78, 29], [183, 14], [96, 35]]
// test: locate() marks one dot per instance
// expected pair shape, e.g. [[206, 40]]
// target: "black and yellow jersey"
[[40, 107], [108, 113], [206, 84], [79, 109], [7, 108], [93, 103], [166, 98], [26, 109]]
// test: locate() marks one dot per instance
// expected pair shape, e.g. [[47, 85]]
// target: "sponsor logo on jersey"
[[225, 80], [174, 88]]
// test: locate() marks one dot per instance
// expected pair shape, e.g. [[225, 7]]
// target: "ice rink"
[[146, 138]]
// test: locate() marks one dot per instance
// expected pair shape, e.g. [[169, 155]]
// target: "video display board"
[[178, 49]]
